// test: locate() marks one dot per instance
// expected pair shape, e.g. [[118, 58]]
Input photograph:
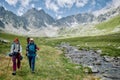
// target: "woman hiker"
[[31, 54], [16, 50]]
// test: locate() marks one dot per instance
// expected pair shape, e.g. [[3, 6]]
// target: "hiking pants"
[[31, 62], [14, 59]]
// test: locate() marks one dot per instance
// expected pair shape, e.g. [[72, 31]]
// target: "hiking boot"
[[33, 71], [14, 73]]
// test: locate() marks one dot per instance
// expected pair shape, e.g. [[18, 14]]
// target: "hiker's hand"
[[26, 54], [10, 54], [38, 48]]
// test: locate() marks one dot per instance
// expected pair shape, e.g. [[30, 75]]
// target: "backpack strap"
[[18, 46]]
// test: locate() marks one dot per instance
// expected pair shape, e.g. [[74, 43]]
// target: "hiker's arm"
[[11, 50], [26, 50], [38, 48]]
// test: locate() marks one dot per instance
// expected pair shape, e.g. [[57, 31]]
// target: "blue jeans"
[[31, 62]]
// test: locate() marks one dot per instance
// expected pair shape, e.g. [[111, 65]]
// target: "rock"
[[113, 73], [97, 63], [107, 67], [108, 59], [77, 67], [93, 69], [4, 41], [84, 49], [112, 76], [86, 70], [99, 51], [104, 78]]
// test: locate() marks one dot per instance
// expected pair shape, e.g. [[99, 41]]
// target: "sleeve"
[[27, 48], [12, 47]]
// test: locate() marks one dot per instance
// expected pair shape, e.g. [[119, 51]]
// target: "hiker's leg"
[[14, 62], [33, 63], [29, 59], [18, 61]]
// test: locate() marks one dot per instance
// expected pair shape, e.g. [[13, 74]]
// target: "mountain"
[[9, 18], [85, 18], [110, 24], [75, 19], [2, 24], [109, 14], [38, 18], [38, 23]]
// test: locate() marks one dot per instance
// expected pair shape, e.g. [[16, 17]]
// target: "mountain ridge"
[[38, 22]]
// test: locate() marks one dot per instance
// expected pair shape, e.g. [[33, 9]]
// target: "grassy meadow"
[[109, 44], [51, 63]]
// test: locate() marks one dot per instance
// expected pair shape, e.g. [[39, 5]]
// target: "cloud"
[[55, 5], [81, 3], [33, 5], [51, 5], [25, 3], [12, 2], [39, 8], [65, 3], [58, 16], [20, 11]]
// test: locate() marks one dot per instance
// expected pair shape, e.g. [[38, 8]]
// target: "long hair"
[[28, 40]]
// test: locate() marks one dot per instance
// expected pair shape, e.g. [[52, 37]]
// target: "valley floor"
[[51, 62]]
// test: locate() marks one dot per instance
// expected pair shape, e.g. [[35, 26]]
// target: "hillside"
[[110, 24], [107, 27]]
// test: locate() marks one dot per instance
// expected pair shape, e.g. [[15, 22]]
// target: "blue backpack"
[[32, 48]]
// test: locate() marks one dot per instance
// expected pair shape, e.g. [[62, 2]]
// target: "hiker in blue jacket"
[[31, 54]]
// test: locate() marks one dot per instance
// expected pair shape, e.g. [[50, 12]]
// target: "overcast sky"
[[58, 8]]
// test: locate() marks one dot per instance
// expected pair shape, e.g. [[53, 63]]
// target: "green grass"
[[110, 24], [109, 44], [51, 63]]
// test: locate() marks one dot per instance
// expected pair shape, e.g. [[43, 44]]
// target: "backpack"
[[32, 48]]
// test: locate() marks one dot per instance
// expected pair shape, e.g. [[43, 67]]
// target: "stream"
[[105, 67]]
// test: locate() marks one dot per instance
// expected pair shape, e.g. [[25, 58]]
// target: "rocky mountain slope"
[[38, 22]]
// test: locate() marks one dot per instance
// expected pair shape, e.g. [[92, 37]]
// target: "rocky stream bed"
[[105, 67]]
